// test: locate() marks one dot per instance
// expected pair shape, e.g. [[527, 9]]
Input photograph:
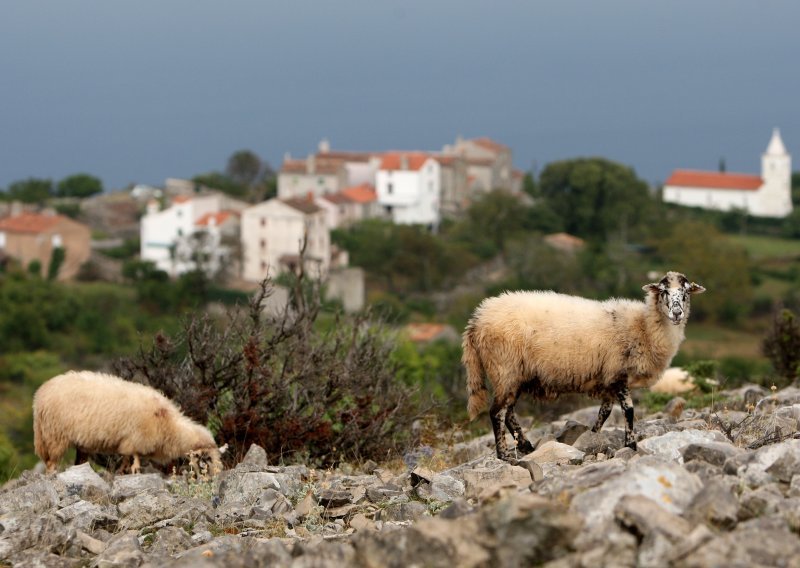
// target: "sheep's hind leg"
[[523, 445], [605, 412], [625, 402], [497, 414]]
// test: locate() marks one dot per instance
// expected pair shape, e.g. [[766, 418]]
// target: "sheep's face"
[[672, 294], [206, 460]]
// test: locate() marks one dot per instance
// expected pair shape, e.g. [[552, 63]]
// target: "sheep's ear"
[[695, 288], [223, 448], [652, 288]]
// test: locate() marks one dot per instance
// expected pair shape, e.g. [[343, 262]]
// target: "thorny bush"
[[275, 379], [782, 345]]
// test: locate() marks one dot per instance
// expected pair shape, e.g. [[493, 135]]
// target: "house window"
[[320, 181], [180, 232], [430, 186], [263, 265], [263, 243], [389, 188], [263, 221]]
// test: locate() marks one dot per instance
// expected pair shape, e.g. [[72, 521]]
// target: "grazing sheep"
[[674, 381], [99, 413], [547, 344]]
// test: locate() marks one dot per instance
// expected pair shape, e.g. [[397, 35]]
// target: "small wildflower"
[[773, 388]]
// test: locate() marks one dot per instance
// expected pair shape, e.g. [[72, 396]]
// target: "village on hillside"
[[185, 226]]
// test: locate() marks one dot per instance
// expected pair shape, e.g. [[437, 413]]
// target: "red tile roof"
[[363, 193], [303, 204], [337, 198], [29, 223], [564, 241], [181, 198], [346, 156], [714, 180], [490, 144], [321, 166], [445, 160], [421, 332], [219, 218], [394, 160]]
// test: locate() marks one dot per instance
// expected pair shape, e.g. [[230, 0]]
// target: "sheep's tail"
[[476, 387], [38, 437]]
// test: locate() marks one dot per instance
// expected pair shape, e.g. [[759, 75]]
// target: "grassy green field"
[[768, 248]]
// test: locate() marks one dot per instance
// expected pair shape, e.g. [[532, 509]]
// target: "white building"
[[767, 195], [272, 235], [408, 185], [170, 237]]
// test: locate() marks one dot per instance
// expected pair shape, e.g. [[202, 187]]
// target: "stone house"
[[326, 172], [489, 164], [272, 233], [351, 205], [29, 237]]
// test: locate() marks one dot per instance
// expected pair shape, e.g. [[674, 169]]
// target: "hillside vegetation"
[[145, 327]]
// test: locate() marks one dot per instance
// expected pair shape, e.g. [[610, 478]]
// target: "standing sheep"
[[99, 413], [547, 344]]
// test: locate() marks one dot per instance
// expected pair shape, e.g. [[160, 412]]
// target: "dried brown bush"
[[283, 382]]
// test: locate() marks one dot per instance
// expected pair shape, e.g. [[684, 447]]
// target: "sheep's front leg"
[[605, 412], [137, 466], [523, 445], [497, 414], [625, 402]]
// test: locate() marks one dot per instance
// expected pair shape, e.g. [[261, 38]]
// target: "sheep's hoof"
[[632, 445], [507, 457], [525, 447]]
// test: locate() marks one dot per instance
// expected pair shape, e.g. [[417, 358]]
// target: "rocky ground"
[[704, 489]]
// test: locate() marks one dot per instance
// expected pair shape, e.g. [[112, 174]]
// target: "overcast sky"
[[140, 91]]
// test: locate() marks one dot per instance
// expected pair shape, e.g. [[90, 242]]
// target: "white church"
[[767, 195]]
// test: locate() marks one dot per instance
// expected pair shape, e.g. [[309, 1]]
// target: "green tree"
[[56, 260], [796, 189], [598, 199], [221, 182], [372, 245], [704, 254], [535, 265], [491, 221], [79, 185], [243, 167], [31, 190]]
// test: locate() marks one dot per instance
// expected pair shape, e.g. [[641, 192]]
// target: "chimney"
[[403, 162], [311, 165], [324, 146]]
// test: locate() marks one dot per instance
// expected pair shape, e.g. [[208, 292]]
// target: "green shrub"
[[703, 372], [782, 345]]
